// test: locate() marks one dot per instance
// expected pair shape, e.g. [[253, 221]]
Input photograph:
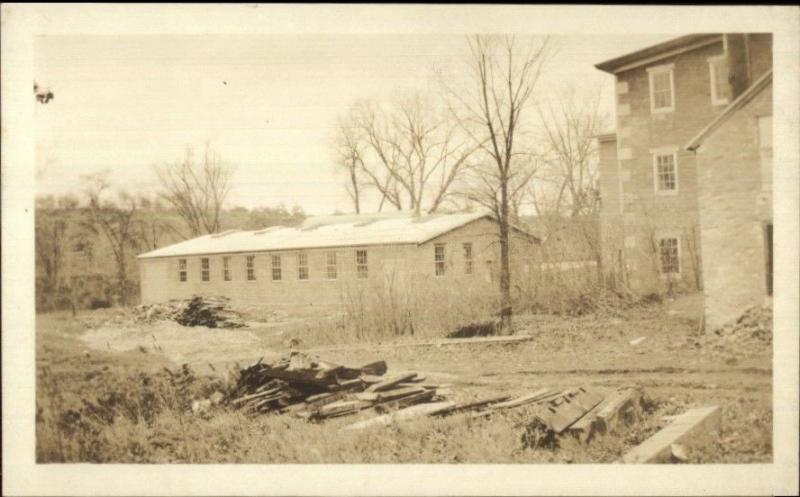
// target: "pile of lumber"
[[212, 312], [315, 389]]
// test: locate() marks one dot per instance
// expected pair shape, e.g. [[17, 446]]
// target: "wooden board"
[[693, 427]]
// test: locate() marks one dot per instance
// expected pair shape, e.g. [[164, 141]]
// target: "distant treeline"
[[86, 247]]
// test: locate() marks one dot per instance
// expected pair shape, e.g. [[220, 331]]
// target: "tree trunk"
[[505, 270]]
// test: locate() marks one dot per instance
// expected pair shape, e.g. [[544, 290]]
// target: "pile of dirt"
[[750, 331], [211, 312]]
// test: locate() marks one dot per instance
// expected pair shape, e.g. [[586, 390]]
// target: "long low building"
[[325, 258]]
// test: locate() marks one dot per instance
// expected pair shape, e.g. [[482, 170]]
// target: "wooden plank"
[[387, 384], [401, 415], [561, 412], [617, 410], [620, 409], [474, 404], [693, 427], [265, 393], [389, 394], [525, 399], [342, 406]]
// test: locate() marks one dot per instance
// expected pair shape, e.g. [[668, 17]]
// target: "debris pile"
[[754, 324], [315, 389], [750, 331], [212, 312]]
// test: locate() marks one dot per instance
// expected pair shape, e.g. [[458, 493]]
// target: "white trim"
[[666, 55], [712, 76], [661, 152], [651, 71]]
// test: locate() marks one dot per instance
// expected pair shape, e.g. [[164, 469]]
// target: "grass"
[[102, 406]]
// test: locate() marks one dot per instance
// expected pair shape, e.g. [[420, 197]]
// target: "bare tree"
[[409, 151], [348, 152], [115, 221], [503, 75], [570, 127], [49, 246], [197, 191]]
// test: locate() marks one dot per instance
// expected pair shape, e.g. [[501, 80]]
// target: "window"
[[302, 266], [718, 71], [331, 270], [467, 258], [182, 269], [669, 256], [768, 240], [362, 271], [666, 173], [276, 268], [438, 258], [250, 264], [205, 274], [662, 89], [226, 268]]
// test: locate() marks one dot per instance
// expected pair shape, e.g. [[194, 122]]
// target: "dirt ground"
[[594, 351]]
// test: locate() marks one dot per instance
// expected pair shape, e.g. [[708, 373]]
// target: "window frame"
[[183, 272], [675, 274], [250, 268], [205, 269], [329, 266], [362, 265], [469, 258], [656, 153], [439, 263], [302, 263], [274, 267], [712, 74], [657, 70], [226, 268]]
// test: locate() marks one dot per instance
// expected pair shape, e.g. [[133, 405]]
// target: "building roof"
[[757, 87], [326, 232], [657, 52]]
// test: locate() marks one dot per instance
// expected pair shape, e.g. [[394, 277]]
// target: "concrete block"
[[623, 109], [622, 87], [692, 428], [625, 154]]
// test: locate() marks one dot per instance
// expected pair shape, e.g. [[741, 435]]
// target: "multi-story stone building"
[[651, 187]]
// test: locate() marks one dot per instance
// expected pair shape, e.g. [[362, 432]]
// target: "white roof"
[[325, 231]]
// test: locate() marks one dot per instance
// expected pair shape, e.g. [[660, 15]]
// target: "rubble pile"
[[750, 332], [315, 389], [754, 324], [212, 312]]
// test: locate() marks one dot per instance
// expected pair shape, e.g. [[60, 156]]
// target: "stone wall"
[[735, 199]]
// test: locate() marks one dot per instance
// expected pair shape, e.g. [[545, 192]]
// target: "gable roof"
[[326, 232], [658, 51], [760, 84]]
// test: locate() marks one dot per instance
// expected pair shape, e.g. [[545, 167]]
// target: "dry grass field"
[[103, 394]]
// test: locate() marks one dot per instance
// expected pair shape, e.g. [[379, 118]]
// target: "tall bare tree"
[[115, 221], [411, 152], [570, 126], [197, 191], [503, 74], [348, 156]]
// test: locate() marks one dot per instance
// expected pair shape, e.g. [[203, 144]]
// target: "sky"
[[267, 104]]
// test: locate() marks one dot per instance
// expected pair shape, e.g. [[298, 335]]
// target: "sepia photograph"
[[405, 247]]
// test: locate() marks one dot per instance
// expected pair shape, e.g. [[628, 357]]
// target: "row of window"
[[331, 265], [662, 85]]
